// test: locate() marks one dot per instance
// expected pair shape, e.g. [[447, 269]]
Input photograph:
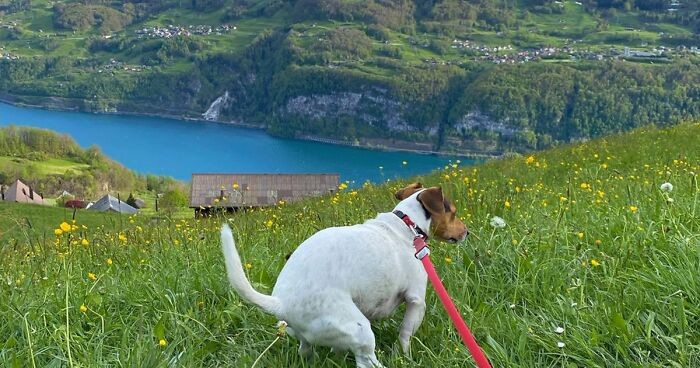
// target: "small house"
[[233, 191], [111, 204], [22, 193]]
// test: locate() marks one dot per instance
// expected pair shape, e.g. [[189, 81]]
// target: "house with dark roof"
[[22, 193], [111, 204], [233, 191]]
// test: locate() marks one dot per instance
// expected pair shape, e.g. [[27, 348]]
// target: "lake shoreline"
[[319, 139]]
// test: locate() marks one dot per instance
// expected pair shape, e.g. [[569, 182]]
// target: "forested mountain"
[[477, 75]]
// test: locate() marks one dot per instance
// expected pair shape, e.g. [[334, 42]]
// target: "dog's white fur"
[[341, 278]]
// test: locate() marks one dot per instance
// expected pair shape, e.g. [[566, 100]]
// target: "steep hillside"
[[596, 266], [487, 76]]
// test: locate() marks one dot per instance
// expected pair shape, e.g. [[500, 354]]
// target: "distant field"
[[40, 168]]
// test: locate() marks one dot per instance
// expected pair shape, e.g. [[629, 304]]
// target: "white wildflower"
[[559, 330], [561, 344], [498, 222], [666, 187]]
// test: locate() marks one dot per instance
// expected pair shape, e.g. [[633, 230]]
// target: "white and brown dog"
[[341, 278]]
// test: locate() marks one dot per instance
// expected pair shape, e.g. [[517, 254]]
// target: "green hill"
[[52, 163], [592, 244], [487, 76]]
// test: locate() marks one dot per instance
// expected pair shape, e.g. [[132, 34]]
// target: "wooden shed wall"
[[242, 190]]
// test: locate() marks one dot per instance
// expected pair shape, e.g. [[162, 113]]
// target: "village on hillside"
[[22, 193]]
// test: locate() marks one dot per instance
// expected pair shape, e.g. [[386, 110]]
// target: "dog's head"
[[444, 224]]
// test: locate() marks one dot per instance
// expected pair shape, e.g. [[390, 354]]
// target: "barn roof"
[[20, 192], [244, 190], [109, 203]]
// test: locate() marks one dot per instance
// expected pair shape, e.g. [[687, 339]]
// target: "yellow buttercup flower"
[[633, 209], [92, 276], [65, 227], [85, 242], [595, 263], [83, 308], [162, 342], [58, 232], [109, 261]]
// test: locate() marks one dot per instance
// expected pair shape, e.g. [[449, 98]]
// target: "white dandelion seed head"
[[561, 344], [498, 222], [666, 187], [559, 330]]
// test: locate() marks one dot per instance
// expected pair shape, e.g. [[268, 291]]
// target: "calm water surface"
[[179, 148]]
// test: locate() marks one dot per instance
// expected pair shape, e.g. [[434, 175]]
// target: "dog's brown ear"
[[406, 192], [433, 200]]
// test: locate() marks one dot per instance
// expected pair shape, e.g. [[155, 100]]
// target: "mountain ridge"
[[489, 76]]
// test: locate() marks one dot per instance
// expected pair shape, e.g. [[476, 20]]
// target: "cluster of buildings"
[[4, 55], [8, 56], [115, 65], [22, 193], [468, 45], [505, 54], [173, 31], [209, 193]]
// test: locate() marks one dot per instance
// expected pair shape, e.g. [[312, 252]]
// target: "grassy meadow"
[[597, 266]]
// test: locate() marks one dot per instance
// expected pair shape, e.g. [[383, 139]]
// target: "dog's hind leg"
[[359, 339], [305, 349], [346, 328]]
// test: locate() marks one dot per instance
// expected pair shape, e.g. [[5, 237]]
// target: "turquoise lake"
[[179, 148]]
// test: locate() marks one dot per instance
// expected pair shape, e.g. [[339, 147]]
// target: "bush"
[[174, 199], [74, 203]]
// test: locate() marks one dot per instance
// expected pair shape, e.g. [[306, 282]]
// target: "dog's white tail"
[[237, 277]]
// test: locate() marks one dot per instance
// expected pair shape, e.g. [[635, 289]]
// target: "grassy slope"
[[540, 30], [52, 166], [591, 245]]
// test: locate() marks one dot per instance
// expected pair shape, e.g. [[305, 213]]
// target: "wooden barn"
[[233, 191]]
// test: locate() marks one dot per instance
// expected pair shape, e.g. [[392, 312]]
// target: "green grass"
[[36, 222], [591, 245], [573, 22], [53, 166]]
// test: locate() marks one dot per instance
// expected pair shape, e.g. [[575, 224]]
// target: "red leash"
[[423, 254]]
